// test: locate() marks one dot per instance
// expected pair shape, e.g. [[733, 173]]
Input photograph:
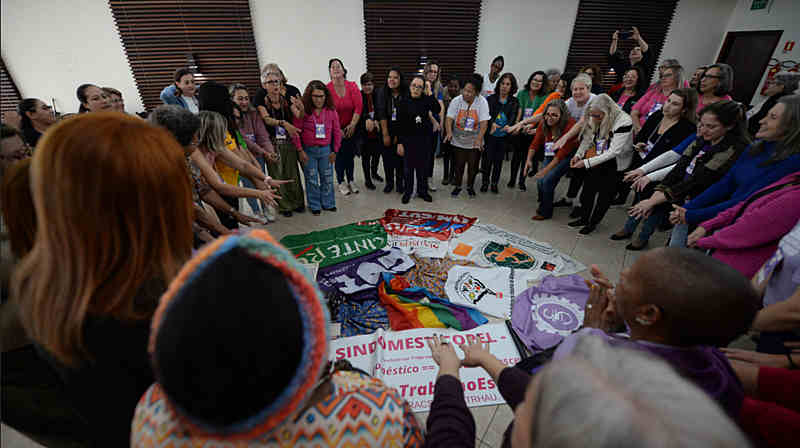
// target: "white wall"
[[697, 31], [50, 47], [530, 34], [302, 36], [781, 15]]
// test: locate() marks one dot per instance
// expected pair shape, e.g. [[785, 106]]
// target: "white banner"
[[403, 360]]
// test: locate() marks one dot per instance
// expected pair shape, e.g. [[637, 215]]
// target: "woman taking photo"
[[530, 98], [320, 139], [91, 317], [414, 143], [182, 91], [720, 141], [556, 123], [670, 78], [92, 99], [606, 144], [503, 108], [35, 118], [278, 114], [389, 97], [347, 101]]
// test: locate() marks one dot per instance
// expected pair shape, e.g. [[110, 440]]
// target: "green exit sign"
[[759, 4]]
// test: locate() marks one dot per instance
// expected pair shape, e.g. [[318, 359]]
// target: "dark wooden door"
[[748, 52]]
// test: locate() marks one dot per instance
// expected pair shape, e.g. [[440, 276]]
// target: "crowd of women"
[[114, 331]]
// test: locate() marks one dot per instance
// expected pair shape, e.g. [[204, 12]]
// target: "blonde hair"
[[212, 132], [601, 103], [272, 68], [114, 212]]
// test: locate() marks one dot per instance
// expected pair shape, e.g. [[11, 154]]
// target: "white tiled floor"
[[511, 210]]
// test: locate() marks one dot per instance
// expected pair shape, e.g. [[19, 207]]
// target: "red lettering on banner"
[[409, 343], [359, 350], [395, 345], [458, 339], [381, 342], [492, 385], [482, 383], [339, 353], [471, 338], [419, 343], [471, 386], [372, 346], [489, 338]]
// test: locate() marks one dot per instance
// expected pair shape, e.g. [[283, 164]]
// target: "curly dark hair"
[[308, 104]]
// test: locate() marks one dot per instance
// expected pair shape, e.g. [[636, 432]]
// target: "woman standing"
[[255, 134], [370, 132], [670, 78], [390, 96], [320, 139], [414, 137], [182, 91], [277, 115], [503, 108], [92, 99], [90, 318], [467, 120], [452, 91], [606, 143], [595, 72], [716, 83], [36, 117], [115, 96], [433, 86], [530, 98], [347, 101]]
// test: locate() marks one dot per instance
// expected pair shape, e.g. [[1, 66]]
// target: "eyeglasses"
[[273, 82]]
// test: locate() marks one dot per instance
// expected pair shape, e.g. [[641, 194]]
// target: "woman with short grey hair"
[[716, 84], [599, 396], [782, 84]]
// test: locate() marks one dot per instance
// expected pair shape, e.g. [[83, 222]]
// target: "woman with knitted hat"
[[227, 374]]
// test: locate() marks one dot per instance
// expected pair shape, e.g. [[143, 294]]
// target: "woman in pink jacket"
[[747, 234], [348, 103]]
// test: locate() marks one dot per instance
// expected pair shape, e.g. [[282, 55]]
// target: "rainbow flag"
[[412, 307]]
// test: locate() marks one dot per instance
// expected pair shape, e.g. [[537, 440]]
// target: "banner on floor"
[[488, 245], [440, 226], [338, 244], [403, 360]]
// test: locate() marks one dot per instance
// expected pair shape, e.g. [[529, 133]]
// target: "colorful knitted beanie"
[[239, 339]]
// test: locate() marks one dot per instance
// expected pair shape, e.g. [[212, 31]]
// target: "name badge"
[[690, 168], [320, 132], [548, 150], [656, 107], [280, 133], [469, 124], [766, 270], [251, 136], [372, 115], [601, 146], [644, 153], [394, 113], [528, 112]]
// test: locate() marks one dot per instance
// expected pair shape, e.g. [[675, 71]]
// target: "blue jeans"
[[547, 186], [680, 235], [319, 178], [649, 225], [253, 202]]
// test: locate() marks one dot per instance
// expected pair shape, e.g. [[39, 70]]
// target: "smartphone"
[[625, 34]]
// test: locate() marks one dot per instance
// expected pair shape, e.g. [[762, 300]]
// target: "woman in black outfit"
[[370, 129], [394, 92], [414, 143]]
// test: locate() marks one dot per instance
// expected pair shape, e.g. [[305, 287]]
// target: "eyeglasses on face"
[[273, 82]]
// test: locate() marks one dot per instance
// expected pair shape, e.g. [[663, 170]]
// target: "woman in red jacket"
[[556, 123]]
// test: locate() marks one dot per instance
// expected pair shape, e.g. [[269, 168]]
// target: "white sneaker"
[[343, 189], [352, 187], [431, 186], [269, 214]]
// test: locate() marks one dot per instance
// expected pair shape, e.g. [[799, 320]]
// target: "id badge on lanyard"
[[647, 149], [548, 150], [600, 146], [690, 168], [469, 124], [656, 107], [320, 130], [280, 133], [528, 112]]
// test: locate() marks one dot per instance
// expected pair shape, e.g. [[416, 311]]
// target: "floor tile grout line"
[[491, 420]]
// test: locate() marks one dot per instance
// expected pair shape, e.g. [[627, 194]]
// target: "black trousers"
[[447, 160], [418, 153], [393, 167], [576, 181], [599, 187], [521, 143], [371, 149], [624, 188], [495, 153], [226, 219]]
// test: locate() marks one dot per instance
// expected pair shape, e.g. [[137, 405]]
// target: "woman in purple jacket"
[[747, 234]]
